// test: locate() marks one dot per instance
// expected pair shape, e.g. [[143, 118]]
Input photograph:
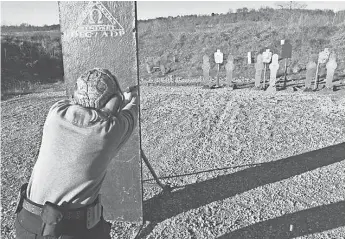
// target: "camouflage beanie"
[[95, 87]]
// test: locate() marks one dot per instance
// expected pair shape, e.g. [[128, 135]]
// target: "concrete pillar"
[[104, 35]]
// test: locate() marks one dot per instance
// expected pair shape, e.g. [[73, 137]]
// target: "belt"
[[91, 213]]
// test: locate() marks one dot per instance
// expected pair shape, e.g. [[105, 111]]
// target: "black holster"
[[52, 216], [20, 197]]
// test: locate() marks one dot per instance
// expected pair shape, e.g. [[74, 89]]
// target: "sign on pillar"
[[104, 35], [218, 58]]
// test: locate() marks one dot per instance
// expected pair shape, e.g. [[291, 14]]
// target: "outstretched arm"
[[132, 103]]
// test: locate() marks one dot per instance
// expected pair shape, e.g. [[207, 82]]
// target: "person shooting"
[[80, 138]]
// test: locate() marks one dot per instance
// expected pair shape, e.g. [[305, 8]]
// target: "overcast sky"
[[46, 12]]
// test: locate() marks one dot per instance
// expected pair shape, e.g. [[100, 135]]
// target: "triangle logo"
[[97, 17]]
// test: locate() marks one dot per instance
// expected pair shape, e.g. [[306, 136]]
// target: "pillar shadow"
[[204, 171], [301, 223], [162, 207]]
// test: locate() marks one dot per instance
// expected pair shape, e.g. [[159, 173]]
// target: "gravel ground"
[[243, 163]]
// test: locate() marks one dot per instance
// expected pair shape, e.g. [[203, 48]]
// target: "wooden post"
[[285, 74], [264, 83], [218, 58], [104, 35], [217, 75], [266, 56], [323, 57], [286, 53], [316, 76]]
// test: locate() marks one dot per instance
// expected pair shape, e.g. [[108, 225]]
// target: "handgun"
[[131, 88]]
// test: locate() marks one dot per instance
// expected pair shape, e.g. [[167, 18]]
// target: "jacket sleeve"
[[121, 126], [58, 106], [129, 114]]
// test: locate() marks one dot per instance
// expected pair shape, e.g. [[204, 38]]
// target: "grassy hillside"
[[189, 38], [29, 59], [30, 56]]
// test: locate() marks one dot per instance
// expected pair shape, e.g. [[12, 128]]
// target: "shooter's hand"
[[131, 101], [131, 95], [113, 105]]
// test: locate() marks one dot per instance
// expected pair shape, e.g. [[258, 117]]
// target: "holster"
[[56, 219], [52, 216], [20, 197]]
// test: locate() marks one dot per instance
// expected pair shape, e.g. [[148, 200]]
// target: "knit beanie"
[[95, 87]]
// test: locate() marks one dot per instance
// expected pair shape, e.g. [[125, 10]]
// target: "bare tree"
[[291, 5]]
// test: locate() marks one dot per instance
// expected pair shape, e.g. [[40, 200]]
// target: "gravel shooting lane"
[[243, 163]]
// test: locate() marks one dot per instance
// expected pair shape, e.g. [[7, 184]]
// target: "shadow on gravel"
[[164, 206], [313, 220], [204, 171]]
